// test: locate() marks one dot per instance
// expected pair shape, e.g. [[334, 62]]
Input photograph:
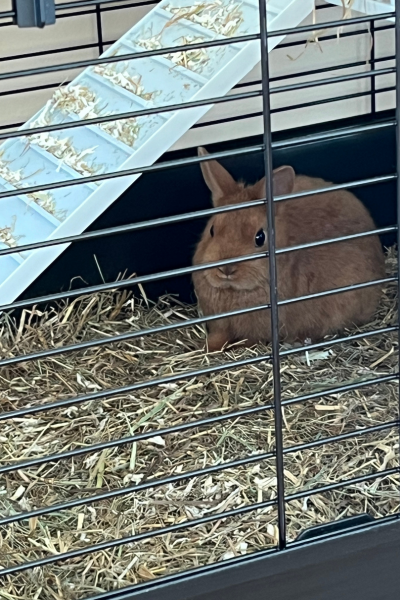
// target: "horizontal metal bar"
[[342, 483], [336, 240], [340, 340], [184, 47], [81, 64], [14, 57], [162, 221], [189, 270], [196, 160], [131, 4], [12, 125], [238, 86], [337, 186], [352, 65], [291, 107], [331, 24], [7, 14], [331, 80], [311, 138], [87, 3], [320, 102], [127, 172], [199, 124], [81, 451], [132, 114], [82, 3], [44, 354], [342, 437], [343, 35], [133, 489], [124, 283], [127, 336], [196, 103], [189, 524], [291, 142], [333, 134], [341, 389], [64, 403], [40, 562], [340, 290], [180, 325], [29, 410], [80, 47], [35, 88]]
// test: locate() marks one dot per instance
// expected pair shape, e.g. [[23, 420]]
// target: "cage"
[[134, 461]]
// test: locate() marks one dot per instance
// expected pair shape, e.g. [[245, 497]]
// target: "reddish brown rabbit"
[[302, 272]]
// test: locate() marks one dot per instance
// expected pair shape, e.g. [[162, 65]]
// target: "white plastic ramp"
[[114, 88]]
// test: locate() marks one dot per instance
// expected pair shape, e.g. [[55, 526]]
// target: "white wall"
[[81, 29]]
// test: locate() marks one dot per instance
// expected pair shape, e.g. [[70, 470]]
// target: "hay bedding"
[[150, 409]]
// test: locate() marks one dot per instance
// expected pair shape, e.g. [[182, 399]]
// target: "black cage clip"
[[34, 13]]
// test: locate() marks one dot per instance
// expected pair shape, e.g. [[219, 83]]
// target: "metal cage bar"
[[109, 393], [201, 214], [269, 195], [373, 66], [99, 26], [198, 45], [80, 451], [197, 103], [397, 51], [344, 34], [195, 522], [181, 324], [196, 160]]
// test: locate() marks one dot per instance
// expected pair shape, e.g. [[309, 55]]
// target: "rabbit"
[[302, 272]]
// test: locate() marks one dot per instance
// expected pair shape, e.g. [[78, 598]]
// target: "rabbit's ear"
[[220, 183], [259, 189], [283, 183]]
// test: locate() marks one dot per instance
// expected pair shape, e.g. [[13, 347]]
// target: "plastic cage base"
[[362, 564], [334, 527]]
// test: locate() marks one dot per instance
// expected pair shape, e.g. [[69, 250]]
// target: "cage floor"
[[158, 407]]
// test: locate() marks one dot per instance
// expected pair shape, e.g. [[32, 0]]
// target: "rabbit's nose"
[[227, 270]]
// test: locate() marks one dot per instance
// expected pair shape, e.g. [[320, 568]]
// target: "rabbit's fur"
[[299, 273]]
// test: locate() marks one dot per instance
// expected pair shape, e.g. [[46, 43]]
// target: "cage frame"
[[356, 551]]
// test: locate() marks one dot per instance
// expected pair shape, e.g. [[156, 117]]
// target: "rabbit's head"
[[239, 232]]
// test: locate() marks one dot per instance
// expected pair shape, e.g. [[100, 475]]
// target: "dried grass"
[[44, 199], [63, 149], [120, 75], [194, 60], [153, 408], [7, 235], [83, 102], [222, 18]]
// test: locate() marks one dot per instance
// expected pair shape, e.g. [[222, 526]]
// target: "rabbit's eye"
[[260, 238], [212, 231]]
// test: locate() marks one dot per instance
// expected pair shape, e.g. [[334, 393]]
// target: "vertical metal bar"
[[99, 29], [372, 63], [397, 52], [267, 137]]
